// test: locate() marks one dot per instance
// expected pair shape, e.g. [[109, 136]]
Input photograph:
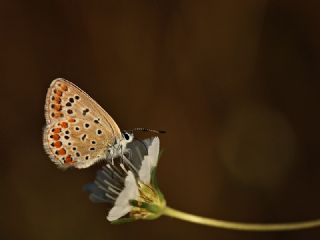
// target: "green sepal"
[[154, 182], [160, 153], [134, 203], [153, 208]]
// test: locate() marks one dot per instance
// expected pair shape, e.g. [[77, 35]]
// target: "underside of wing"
[[78, 130]]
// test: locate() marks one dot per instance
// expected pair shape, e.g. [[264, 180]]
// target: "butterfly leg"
[[120, 150], [130, 154], [130, 165], [111, 153]]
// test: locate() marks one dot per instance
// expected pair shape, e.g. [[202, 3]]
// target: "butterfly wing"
[[78, 130]]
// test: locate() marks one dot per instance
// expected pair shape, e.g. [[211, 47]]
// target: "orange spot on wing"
[[61, 151], [58, 92], [71, 120], [64, 87], [56, 137], [58, 144], [64, 124], [57, 107], [56, 130], [57, 99], [58, 114], [69, 159]]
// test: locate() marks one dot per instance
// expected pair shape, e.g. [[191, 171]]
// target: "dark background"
[[234, 83]]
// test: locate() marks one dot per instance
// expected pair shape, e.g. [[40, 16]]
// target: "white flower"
[[130, 186]]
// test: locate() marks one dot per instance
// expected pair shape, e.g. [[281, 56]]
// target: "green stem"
[[262, 227]]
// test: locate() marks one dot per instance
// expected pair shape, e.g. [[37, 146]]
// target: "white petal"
[[153, 151], [149, 161], [122, 206]]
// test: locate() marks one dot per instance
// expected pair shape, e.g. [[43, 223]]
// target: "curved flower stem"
[[262, 227]]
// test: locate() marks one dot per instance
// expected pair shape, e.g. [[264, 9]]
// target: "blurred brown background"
[[234, 83]]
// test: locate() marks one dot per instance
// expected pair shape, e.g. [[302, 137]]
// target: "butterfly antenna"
[[148, 130]]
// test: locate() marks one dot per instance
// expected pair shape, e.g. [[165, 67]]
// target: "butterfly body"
[[79, 132]]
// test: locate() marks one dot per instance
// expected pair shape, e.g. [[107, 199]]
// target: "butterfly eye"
[[126, 136]]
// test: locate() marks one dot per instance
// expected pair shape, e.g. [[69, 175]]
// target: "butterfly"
[[78, 131]]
